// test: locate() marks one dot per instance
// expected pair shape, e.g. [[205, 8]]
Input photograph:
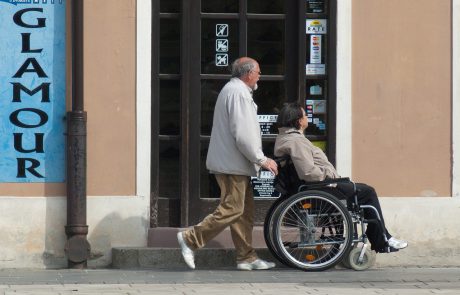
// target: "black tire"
[[312, 231], [268, 228]]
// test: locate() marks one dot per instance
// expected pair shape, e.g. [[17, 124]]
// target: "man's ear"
[[245, 78]]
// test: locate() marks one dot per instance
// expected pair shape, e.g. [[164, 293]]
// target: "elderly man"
[[234, 155]]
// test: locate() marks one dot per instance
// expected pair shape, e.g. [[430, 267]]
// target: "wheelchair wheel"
[[368, 259], [345, 263], [312, 231], [268, 228]]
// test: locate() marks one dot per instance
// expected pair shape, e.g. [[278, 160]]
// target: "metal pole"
[[77, 247]]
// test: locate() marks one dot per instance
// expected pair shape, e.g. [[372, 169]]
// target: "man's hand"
[[270, 165]]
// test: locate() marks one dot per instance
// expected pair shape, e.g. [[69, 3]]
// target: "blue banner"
[[32, 90]]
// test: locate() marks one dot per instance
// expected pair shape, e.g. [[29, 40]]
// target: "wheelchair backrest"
[[287, 181]]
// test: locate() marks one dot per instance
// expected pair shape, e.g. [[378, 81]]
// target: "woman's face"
[[303, 122]]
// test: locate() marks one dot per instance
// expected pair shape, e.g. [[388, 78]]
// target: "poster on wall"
[[32, 90]]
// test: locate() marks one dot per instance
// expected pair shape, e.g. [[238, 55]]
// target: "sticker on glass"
[[319, 107], [315, 69], [221, 59], [316, 90], [267, 124], [315, 49], [222, 30], [221, 45], [316, 26]]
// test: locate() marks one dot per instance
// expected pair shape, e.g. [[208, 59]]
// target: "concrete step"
[[163, 251], [166, 237], [171, 258]]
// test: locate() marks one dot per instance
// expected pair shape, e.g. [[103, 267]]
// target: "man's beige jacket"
[[236, 143]]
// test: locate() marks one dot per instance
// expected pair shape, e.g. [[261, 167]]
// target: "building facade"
[[379, 80]]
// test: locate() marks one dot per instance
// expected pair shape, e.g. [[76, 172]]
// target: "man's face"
[[253, 77]]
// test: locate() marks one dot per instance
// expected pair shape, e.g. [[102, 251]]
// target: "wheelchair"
[[311, 228]]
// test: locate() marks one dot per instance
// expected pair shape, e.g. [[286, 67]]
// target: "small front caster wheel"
[[368, 259], [345, 261]]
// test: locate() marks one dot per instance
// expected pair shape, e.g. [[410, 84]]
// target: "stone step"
[[163, 251], [166, 237], [171, 258]]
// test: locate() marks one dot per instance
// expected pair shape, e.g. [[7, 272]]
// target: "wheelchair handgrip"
[[280, 160]]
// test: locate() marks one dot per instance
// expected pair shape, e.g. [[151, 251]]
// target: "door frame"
[[193, 207], [145, 164]]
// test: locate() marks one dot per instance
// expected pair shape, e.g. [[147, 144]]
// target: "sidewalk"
[[229, 281]]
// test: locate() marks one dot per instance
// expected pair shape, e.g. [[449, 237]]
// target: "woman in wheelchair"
[[311, 165]]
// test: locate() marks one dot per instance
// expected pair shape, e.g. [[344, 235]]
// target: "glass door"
[[230, 29], [194, 43]]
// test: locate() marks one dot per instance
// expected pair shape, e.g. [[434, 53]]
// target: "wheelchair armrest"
[[326, 182]]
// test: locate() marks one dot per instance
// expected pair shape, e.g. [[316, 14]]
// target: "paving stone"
[[383, 281]]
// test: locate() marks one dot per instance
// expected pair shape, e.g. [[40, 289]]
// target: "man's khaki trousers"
[[236, 209]]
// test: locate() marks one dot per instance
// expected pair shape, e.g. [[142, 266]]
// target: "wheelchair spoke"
[[298, 218]]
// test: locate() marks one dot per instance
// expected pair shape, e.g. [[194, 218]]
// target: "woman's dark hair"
[[289, 115]]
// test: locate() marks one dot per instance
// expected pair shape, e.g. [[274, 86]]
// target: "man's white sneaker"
[[187, 253], [397, 244], [256, 264]]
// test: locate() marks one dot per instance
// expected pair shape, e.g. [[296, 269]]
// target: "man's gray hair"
[[241, 68]]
